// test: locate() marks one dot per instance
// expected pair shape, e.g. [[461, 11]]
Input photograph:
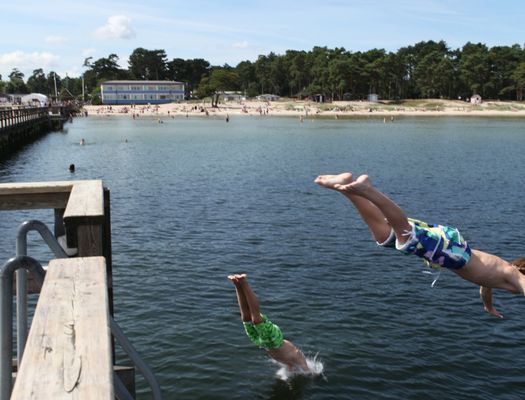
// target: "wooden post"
[[106, 243], [84, 218], [59, 229], [83, 209], [89, 239]]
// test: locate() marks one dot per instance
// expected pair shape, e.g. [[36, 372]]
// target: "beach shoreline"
[[308, 109]]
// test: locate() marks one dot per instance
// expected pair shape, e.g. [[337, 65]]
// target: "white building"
[[231, 96], [373, 98], [268, 97], [476, 99], [141, 92], [35, 100]]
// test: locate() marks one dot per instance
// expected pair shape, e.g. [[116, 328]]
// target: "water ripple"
[[195, 200]]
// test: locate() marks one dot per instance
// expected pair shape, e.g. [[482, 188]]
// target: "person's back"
[[488, 270], [290, 356]]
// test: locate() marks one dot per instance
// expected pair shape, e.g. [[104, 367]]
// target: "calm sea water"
[[196, 199]]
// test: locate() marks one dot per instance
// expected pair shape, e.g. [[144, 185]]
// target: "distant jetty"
[[20, 126]]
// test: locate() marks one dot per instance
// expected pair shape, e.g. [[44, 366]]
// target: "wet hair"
[[520, 264]]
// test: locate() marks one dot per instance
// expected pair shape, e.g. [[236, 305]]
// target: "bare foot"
[[331, 181], [237, 278], [359, 186]]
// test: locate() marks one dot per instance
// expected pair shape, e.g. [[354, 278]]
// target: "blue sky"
[[59, 35]]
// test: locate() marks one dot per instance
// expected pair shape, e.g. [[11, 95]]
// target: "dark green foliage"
[[428, 69], [16, 82], [148, 64]]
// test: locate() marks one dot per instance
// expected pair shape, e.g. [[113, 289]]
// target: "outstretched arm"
[[486, 297]]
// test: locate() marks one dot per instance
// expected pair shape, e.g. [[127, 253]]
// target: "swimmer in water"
[[263, 333], [82, 142]]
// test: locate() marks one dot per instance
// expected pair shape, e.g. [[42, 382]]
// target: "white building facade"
[[141, 92]]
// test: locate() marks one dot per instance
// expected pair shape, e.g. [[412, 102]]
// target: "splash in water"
[[314, 364]]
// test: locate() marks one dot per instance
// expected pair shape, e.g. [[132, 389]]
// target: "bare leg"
[[371, 215], [248, 302], [287, 353], [363, 187], [241, 299]]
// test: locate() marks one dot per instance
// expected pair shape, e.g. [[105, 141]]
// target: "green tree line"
[[426, 69]]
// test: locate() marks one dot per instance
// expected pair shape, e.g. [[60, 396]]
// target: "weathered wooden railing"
[[20, 126], [68, 353], [81, 206], [16, 116]]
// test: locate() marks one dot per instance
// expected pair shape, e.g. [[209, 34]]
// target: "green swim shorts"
[[264, 334]]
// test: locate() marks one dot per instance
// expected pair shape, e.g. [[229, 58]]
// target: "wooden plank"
[[33, 201], [68, 352], [84, 198], [127, 376], [84, 218], [30, 195], [86, 201], [36, 187], [89, 240]]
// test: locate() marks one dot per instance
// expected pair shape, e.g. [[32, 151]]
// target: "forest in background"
[[427, 69]]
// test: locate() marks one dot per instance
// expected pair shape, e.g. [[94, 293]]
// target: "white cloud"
[[56, 40], [28, 61], [90, 52], [117, 27], [241, 45]]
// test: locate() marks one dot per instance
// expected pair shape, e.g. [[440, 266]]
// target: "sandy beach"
[[309, 109]]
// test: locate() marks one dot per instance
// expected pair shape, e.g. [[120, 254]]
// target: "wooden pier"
[[69, 351], [20, 126]]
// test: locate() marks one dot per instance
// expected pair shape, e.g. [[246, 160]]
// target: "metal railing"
[[128, 348], [21, 263], [6, 315], [21, 276]]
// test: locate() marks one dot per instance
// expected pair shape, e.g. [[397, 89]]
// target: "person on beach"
[[438, 245], [262, 332]]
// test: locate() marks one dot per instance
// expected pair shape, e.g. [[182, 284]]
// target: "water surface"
[[196, 199]]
